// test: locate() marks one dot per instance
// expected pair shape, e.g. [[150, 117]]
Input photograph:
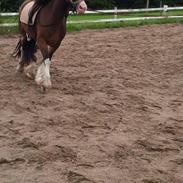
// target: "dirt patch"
[[114, 114]]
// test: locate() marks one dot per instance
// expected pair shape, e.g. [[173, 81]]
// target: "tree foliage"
[[9, 5], [12, 5], [142, 3]]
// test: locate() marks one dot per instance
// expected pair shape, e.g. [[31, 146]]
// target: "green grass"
[[8, 19], [78, 27]]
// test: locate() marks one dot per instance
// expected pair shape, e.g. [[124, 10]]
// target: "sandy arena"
[[114, 114]]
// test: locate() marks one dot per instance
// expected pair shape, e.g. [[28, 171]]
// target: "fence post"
[[165, 9], [161, 3], [147, 4], [115, 12]]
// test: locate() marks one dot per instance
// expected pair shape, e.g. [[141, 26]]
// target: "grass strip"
[[79, 26]]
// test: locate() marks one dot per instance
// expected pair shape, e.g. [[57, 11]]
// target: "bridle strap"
[[74, 5]]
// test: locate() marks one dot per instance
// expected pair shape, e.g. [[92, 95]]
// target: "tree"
[[9, 5], [100, 4], [12, 5]]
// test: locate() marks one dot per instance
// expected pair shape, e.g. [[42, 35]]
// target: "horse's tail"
[[26, 49], [17, 51]]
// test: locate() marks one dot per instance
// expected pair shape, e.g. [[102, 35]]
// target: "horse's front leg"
[[43, 77]]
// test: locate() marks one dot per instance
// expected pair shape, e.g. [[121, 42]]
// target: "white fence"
[[115, 12], [165, 8]]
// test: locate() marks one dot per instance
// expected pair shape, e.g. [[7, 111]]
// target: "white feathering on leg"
[[43, 74]]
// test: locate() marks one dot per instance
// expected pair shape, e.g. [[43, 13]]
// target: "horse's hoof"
[[43, 89], [19, 69], [47, 84], [30, 71], [44, 83]]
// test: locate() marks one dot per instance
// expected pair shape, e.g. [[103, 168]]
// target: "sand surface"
[[114, 114]]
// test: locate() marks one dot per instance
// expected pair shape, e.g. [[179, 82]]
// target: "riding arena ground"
[[113, 115]]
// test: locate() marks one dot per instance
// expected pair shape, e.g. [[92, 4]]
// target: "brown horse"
[[46, 34]]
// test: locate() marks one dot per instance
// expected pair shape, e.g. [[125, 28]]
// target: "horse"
[[46, 34]]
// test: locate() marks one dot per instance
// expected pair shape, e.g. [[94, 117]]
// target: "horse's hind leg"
[[43, 77], [30, 70], [27, 59], [19, 53], [20, 67]]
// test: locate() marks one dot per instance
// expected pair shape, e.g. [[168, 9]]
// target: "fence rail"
[[106, 20], [165, 8], [115, 12]]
